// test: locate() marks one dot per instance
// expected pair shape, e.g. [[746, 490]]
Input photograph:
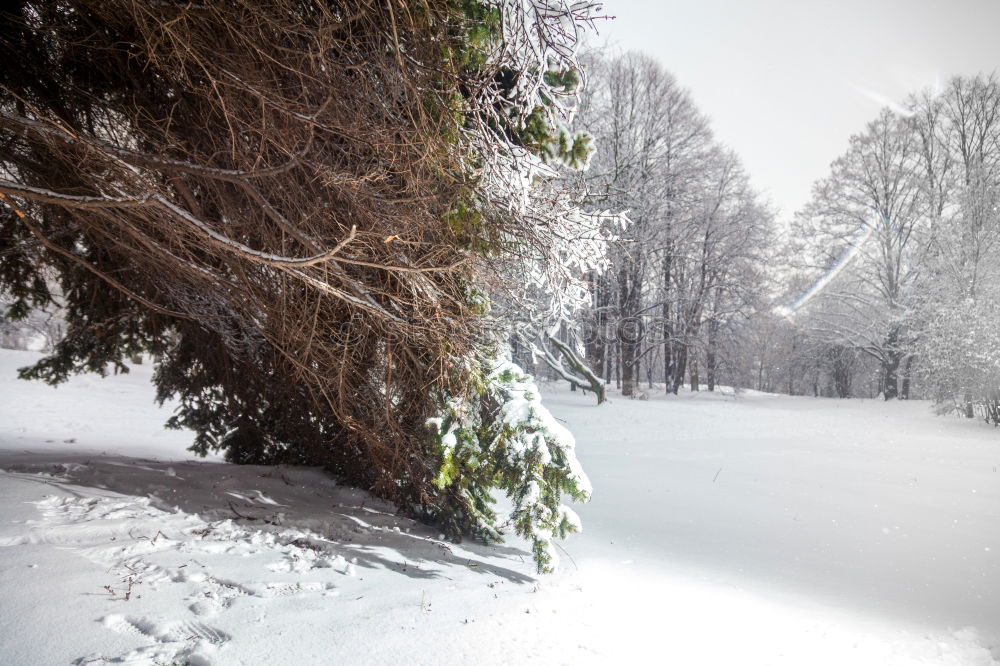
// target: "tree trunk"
[[637, 371], [596, 341], [711, 360], [680, 366], [618, 365], [842, 366], [710, 369], [607, 364], [629, 295], [668, 357], [628, 370], [890, 375], [904, 392]]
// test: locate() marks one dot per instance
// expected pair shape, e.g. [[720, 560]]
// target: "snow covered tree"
[[901, 244], [862, 238], [686, 265], [302, 210], [960, 132]]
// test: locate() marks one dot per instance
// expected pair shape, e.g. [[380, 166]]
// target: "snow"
[[747, 529]]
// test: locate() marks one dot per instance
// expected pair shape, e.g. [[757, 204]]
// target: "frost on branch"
[[519, 148]]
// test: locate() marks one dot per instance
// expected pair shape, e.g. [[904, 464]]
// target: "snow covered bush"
[[960, 352], [503, 437]]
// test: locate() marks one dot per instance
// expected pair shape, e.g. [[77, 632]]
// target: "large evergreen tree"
[[302, 209]]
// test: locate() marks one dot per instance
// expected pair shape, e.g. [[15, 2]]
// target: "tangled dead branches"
[[266, 180]]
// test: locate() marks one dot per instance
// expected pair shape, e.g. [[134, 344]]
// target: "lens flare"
[[858, 242]]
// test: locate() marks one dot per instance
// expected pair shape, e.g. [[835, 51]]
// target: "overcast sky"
[[786, 82]]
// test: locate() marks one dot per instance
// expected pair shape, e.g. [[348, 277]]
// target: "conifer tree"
[[303, 210]]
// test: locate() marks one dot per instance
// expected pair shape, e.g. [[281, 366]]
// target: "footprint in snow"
[[171, 632], [133, 626], [215, 594], [193, 630]]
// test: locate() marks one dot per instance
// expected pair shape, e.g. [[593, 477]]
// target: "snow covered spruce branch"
[[516, 148], [503, 437]]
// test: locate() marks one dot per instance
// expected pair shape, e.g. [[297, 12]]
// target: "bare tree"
[[864, 236]]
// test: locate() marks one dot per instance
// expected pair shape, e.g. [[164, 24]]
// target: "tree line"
[[886, 283], [898, 250], [688, 269]]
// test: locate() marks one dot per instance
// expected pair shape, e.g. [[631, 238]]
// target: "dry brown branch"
[[243, 188]]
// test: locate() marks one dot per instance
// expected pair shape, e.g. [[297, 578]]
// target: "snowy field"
[[749, 529]]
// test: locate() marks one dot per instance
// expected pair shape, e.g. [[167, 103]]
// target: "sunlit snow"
[[747, 529]]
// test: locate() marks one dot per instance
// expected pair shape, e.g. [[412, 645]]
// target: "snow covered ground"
[[752, 529]]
